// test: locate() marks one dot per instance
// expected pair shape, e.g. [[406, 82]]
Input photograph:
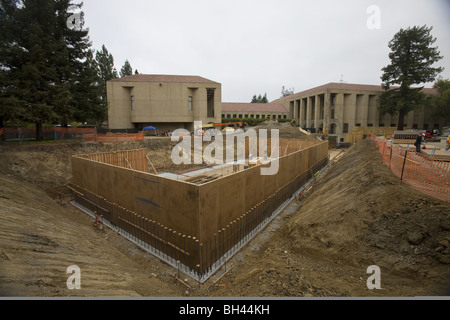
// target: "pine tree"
[[126, 70], [41, 62], [412, 57], [107, 72]]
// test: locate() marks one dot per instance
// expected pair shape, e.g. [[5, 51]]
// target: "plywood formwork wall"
[[195, 225], [171, 203], [224, 200]]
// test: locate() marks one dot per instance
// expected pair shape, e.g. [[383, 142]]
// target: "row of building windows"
[[254, 116]]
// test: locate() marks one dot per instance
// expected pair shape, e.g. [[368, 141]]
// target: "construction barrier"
[[113, 137], [56, 133], [416, 169]]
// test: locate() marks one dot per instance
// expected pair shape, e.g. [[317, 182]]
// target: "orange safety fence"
[[415, 169], [113, 137], [55, 133]]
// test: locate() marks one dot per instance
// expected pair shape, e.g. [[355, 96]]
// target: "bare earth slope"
[[357, 215]]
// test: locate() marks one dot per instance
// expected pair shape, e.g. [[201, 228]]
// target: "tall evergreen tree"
[[107, 71], [442, 100], [41, 62], [412, 57], [126, 70], [260, 99]]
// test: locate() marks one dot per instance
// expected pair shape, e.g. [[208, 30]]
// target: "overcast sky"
[[259, 46]]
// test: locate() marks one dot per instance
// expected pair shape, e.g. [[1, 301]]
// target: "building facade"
[[337, 108], [167, 102], [272, 111]]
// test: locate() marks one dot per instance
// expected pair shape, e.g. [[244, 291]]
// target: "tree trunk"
[[401, 120], [2, 136], [39, 136]]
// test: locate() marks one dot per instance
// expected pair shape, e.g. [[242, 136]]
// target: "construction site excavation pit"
[[196, 219]]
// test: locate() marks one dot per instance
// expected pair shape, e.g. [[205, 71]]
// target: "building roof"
[[163, 78], [345, 86], [253, 107]]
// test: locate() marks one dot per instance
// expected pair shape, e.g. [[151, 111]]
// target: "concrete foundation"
[[192, 224]]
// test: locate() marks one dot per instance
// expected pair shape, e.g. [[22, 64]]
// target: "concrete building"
[[167, 102], [273, 111], [337, 108]]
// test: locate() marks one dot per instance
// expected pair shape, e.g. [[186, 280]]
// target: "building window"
[[228, 116], [415, 126], [132, 103], [382, 125], [263, 116], [240, 116], [332, 114], [333, 100], [345, 127], [279, 116], [358, 125], [223, 116], [252, 116], [190, 104], [210, 102], [234, 116], [333, 129], [425, 126], [393, 125], [285, 117], [257, 116], [370, 124]]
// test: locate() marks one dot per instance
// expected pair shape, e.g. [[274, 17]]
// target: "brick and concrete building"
[[337, 108], [273, 111], [170, 102], [167, 102]]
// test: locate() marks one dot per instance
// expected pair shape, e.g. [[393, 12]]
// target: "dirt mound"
[[286, 130], [359, 213]]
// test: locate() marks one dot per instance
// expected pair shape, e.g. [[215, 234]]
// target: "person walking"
[[418, 143]]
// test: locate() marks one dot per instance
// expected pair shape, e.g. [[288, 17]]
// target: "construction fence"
[[56, 133], [416, 169], [113, 137], [69, 133]]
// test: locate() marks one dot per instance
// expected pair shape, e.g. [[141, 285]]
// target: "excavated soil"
[[356, 214]]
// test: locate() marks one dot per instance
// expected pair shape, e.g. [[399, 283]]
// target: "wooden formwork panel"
[[224, 200], [169, 202]]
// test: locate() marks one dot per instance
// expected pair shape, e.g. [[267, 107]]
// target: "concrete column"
[[350, 111], [327, 113], [309, 115], [303, 113], [339, 115], [317, 115], [374, 114], [409, 119], [364, 110], [297, 110]]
